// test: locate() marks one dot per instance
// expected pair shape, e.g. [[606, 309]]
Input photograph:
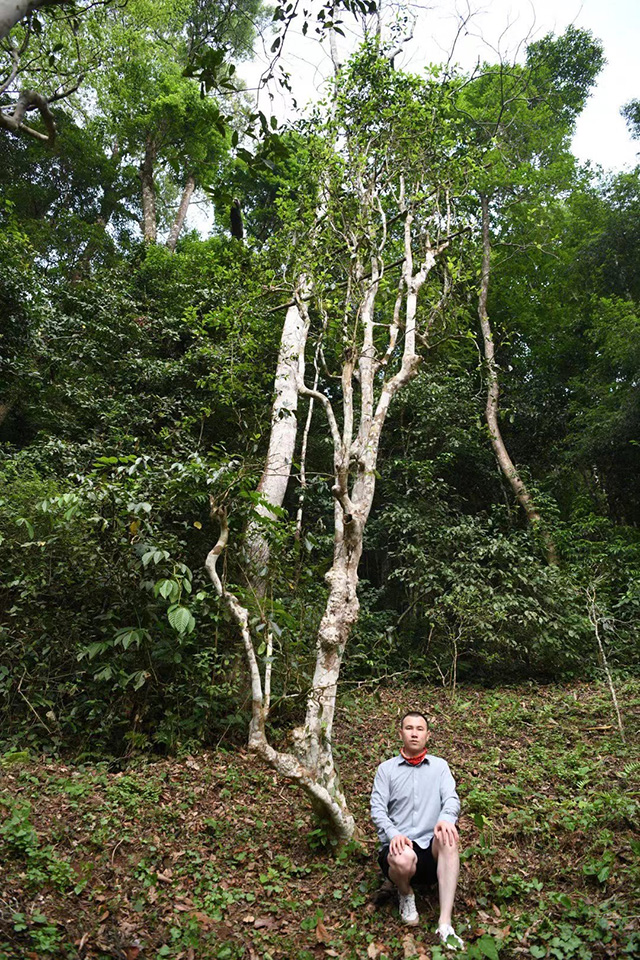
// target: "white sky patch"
[[496, 28]]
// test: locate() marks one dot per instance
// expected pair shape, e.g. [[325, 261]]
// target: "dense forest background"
[[137, 375]]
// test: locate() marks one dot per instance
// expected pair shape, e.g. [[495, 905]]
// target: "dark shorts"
[[425, 868]]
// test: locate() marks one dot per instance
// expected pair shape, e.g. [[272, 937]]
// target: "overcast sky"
[[601, 135]]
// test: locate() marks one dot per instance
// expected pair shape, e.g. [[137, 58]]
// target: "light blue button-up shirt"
[[410, 799]]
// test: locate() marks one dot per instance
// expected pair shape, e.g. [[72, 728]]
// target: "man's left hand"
[[446, 833]]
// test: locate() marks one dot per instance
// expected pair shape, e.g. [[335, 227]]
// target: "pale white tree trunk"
[[181, 214], [13, 11], [325, 792], [284, 431], [14, 121], [506, 464]]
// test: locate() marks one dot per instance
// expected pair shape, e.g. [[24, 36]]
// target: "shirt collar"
[[402, 760]]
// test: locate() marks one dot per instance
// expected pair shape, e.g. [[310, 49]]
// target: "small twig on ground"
[[115, 850]]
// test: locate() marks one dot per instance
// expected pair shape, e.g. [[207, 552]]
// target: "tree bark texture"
[[506, 464], [149, 222], [284, 431], [13, 11], [14, 121], [178, 223], [324, 791]]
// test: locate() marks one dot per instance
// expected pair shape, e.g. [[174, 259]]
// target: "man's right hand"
[[398, 844]]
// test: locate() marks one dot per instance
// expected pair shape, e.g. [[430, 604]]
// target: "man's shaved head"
[[414, 713]]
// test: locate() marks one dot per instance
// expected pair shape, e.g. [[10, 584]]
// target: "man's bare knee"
[[446, 850], [404, 863]]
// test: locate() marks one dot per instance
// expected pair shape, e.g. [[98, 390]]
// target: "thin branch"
[[14, 70], [241, 615], [595, 619]]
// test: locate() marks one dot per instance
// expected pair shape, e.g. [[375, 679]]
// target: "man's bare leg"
[[447, 859], [402, 867]]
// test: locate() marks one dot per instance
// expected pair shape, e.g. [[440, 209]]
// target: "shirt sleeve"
[[449, 800], [380, 806]]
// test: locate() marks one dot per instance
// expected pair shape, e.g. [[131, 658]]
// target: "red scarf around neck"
[[414, 761]]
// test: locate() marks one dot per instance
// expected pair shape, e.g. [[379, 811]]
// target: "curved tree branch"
[[29, 100]]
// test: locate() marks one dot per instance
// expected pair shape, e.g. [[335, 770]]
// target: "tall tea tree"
[[523, 117], [379, 280]]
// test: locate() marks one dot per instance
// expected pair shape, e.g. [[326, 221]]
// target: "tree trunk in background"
[[149, 223], [282, 440], [505, 462], [181, 214], [5, 409]]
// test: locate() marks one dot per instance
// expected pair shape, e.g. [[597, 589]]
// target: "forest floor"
[[210, 856]]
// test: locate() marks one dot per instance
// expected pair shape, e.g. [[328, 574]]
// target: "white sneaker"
[[407, 907], [449, 938]]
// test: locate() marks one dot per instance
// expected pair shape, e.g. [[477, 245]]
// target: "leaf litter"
[[200, 858]]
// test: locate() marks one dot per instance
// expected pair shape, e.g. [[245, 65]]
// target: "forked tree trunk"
[[506, 464], [324, 789], [181, 214], [311, 761]]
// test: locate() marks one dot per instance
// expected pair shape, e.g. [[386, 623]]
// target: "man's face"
[[414, 735]]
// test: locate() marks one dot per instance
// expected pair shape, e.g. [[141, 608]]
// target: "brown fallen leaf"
[[166, 876], [264, 923], [409, 946], [322, 934], [331, 953], [374, 949]]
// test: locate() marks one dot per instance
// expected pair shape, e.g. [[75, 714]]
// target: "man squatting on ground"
[[415, 807]]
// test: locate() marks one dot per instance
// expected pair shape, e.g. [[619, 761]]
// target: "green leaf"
[[23, 522], [92, 650], [181, 619], [168, 589], [488, 947]]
